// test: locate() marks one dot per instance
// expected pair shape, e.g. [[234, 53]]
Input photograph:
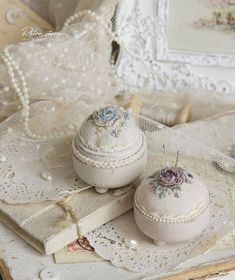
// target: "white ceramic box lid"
[[109, 130]]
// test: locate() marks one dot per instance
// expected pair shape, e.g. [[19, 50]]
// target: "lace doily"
[[45, 94], [34, 170], [47, 83], [111, 240]]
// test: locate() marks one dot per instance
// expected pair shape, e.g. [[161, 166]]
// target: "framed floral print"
[[197, 31]]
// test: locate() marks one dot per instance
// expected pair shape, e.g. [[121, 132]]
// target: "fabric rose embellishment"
[[108, 116], [171, 177], [169, 181], [112, 117]]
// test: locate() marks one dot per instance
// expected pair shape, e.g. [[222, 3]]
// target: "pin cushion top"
[[109, 130], [172, 195]]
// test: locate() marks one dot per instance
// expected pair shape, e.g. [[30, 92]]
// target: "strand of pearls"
[[154, 216], [11, 67], [14, 72], [19, 82], [77, 16]]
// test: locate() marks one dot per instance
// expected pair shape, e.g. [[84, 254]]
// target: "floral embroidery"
[[108, 116], [112, 116], [169, 180]]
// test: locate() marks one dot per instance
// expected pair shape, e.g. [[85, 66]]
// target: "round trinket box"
[[109, 151], [172, 206]]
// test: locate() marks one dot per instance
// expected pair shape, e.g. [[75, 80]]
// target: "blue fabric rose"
[[107, 116]]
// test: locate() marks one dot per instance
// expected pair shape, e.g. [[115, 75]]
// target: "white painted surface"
[[142, 27], [25, 263], [43, 223]]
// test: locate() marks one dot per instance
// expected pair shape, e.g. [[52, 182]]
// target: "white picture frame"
[[191, 46], [142, 29]]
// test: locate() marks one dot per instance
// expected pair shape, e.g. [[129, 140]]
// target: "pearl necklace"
[[19, 83], [22, 92]]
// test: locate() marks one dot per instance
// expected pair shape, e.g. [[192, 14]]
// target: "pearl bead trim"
[[22, 92], [153, 216], [110, 164]]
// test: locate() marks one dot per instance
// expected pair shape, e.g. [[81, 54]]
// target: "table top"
[[18, 255]]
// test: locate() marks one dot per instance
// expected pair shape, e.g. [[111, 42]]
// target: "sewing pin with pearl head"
[[177, 159], [165, 155]]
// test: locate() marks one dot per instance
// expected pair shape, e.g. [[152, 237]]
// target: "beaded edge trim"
[[169, 220], [110, 164]]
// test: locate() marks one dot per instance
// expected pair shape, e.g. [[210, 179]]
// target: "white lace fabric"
[[208, 164], [49, 86], [68, 76]]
